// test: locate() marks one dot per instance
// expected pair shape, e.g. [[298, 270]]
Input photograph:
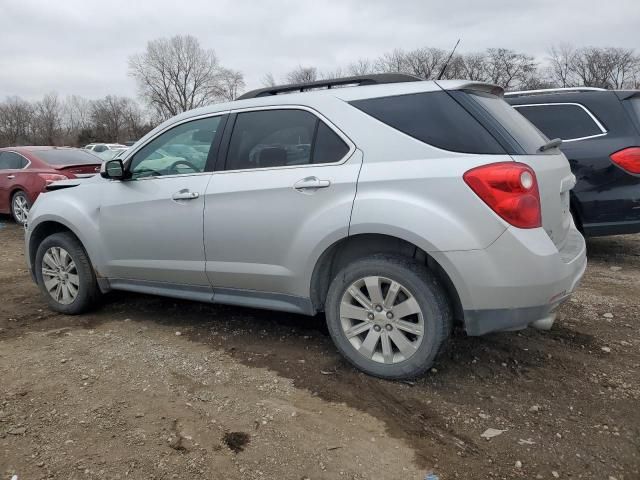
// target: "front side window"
[[564, 121], [281, 138], [182, 150]]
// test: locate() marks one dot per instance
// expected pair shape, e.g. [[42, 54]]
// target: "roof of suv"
[[344, 93]]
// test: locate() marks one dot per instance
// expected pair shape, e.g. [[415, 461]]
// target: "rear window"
[[67, 157], [434, 118], [561, 120], [634, 106], [510, 124]]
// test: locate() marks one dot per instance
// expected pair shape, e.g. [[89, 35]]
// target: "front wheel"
[[388, 316], [65, 275], [20, 206]]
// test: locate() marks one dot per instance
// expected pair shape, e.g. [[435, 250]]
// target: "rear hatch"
[[522, 141]]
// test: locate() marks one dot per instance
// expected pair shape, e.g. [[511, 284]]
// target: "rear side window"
[[434, 118], [280, 138], [329, 147], [567, 121], [11, 161]]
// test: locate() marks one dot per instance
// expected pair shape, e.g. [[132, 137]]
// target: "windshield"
[[67, 156]]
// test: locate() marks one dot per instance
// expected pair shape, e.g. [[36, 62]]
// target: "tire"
[[433, 320], [82, 274], [20, 206]]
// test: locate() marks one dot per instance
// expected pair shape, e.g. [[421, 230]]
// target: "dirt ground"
[[153, 388]]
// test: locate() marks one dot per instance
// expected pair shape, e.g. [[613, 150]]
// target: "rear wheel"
[[20, 206], [65, 275], [388, 316]]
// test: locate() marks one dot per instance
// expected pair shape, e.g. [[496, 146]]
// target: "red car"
[[25, 172]]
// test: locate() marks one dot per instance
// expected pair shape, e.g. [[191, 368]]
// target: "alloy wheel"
[[20, 208], [60, 275], [382, 319]]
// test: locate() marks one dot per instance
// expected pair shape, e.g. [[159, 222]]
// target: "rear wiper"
[[556, 142]]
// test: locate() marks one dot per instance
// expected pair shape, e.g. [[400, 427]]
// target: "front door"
[[152, 223]]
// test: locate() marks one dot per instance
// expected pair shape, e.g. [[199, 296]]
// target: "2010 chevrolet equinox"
[[396, 208]]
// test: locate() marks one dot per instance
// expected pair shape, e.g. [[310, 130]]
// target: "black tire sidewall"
[[87, 289], [13, 197], [422, 285]]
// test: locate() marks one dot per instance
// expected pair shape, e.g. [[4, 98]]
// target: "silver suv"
[[396, 209]]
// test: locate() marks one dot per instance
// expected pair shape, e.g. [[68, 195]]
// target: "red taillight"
[[628, 159], [51, 177], [510, 189]]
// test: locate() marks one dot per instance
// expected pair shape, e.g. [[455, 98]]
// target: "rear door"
[[12, 176], [288, 183]]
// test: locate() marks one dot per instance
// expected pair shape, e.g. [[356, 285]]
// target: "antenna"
[[446, 64]]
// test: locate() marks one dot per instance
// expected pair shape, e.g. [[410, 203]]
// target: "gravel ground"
[[154, 388]]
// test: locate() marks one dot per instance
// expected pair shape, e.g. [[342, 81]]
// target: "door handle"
[[311, 183], [185, 195], [11, 177]]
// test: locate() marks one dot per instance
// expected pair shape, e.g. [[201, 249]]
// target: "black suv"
[[600, 130]]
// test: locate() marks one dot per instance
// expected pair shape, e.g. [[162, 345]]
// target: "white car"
[[103, 147]]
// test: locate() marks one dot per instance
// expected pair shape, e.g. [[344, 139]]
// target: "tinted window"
[[434, 118], [329, 147], [271, 138], [66, 156], [181, 150], [516, 128], [560, 120], [11, 161]]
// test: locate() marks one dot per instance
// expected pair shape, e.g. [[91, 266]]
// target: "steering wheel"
[[172, 167]]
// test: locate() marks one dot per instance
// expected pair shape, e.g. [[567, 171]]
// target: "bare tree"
[[176, 74], [424, 62], [268, 80], [47, 121], [16, 117], [561, 65], [230, 84], [362, 66], [391, 62], [302, 74], [507, 68]]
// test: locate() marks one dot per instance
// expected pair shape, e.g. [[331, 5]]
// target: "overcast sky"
[[81, 46]]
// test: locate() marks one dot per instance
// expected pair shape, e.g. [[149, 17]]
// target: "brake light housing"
[[510, 189], [627, 159], [49, 178]]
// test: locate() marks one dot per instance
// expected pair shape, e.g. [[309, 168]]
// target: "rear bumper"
[[521, 278]]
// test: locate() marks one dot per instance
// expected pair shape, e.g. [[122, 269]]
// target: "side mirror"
[[113, 169]]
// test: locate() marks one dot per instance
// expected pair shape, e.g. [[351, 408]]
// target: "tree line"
[[564, 66], [177, 74]]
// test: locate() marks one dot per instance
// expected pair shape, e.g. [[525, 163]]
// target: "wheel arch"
[[50, 227], [354, 247]]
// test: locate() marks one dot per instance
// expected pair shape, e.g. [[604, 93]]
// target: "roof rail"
[[552, 90], [373, 79]]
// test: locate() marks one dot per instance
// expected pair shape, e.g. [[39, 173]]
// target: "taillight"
[[51, 177], [510, 189], [628, 159]]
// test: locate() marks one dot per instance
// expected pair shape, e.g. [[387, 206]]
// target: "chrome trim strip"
[[551, 90], [588, 112]]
